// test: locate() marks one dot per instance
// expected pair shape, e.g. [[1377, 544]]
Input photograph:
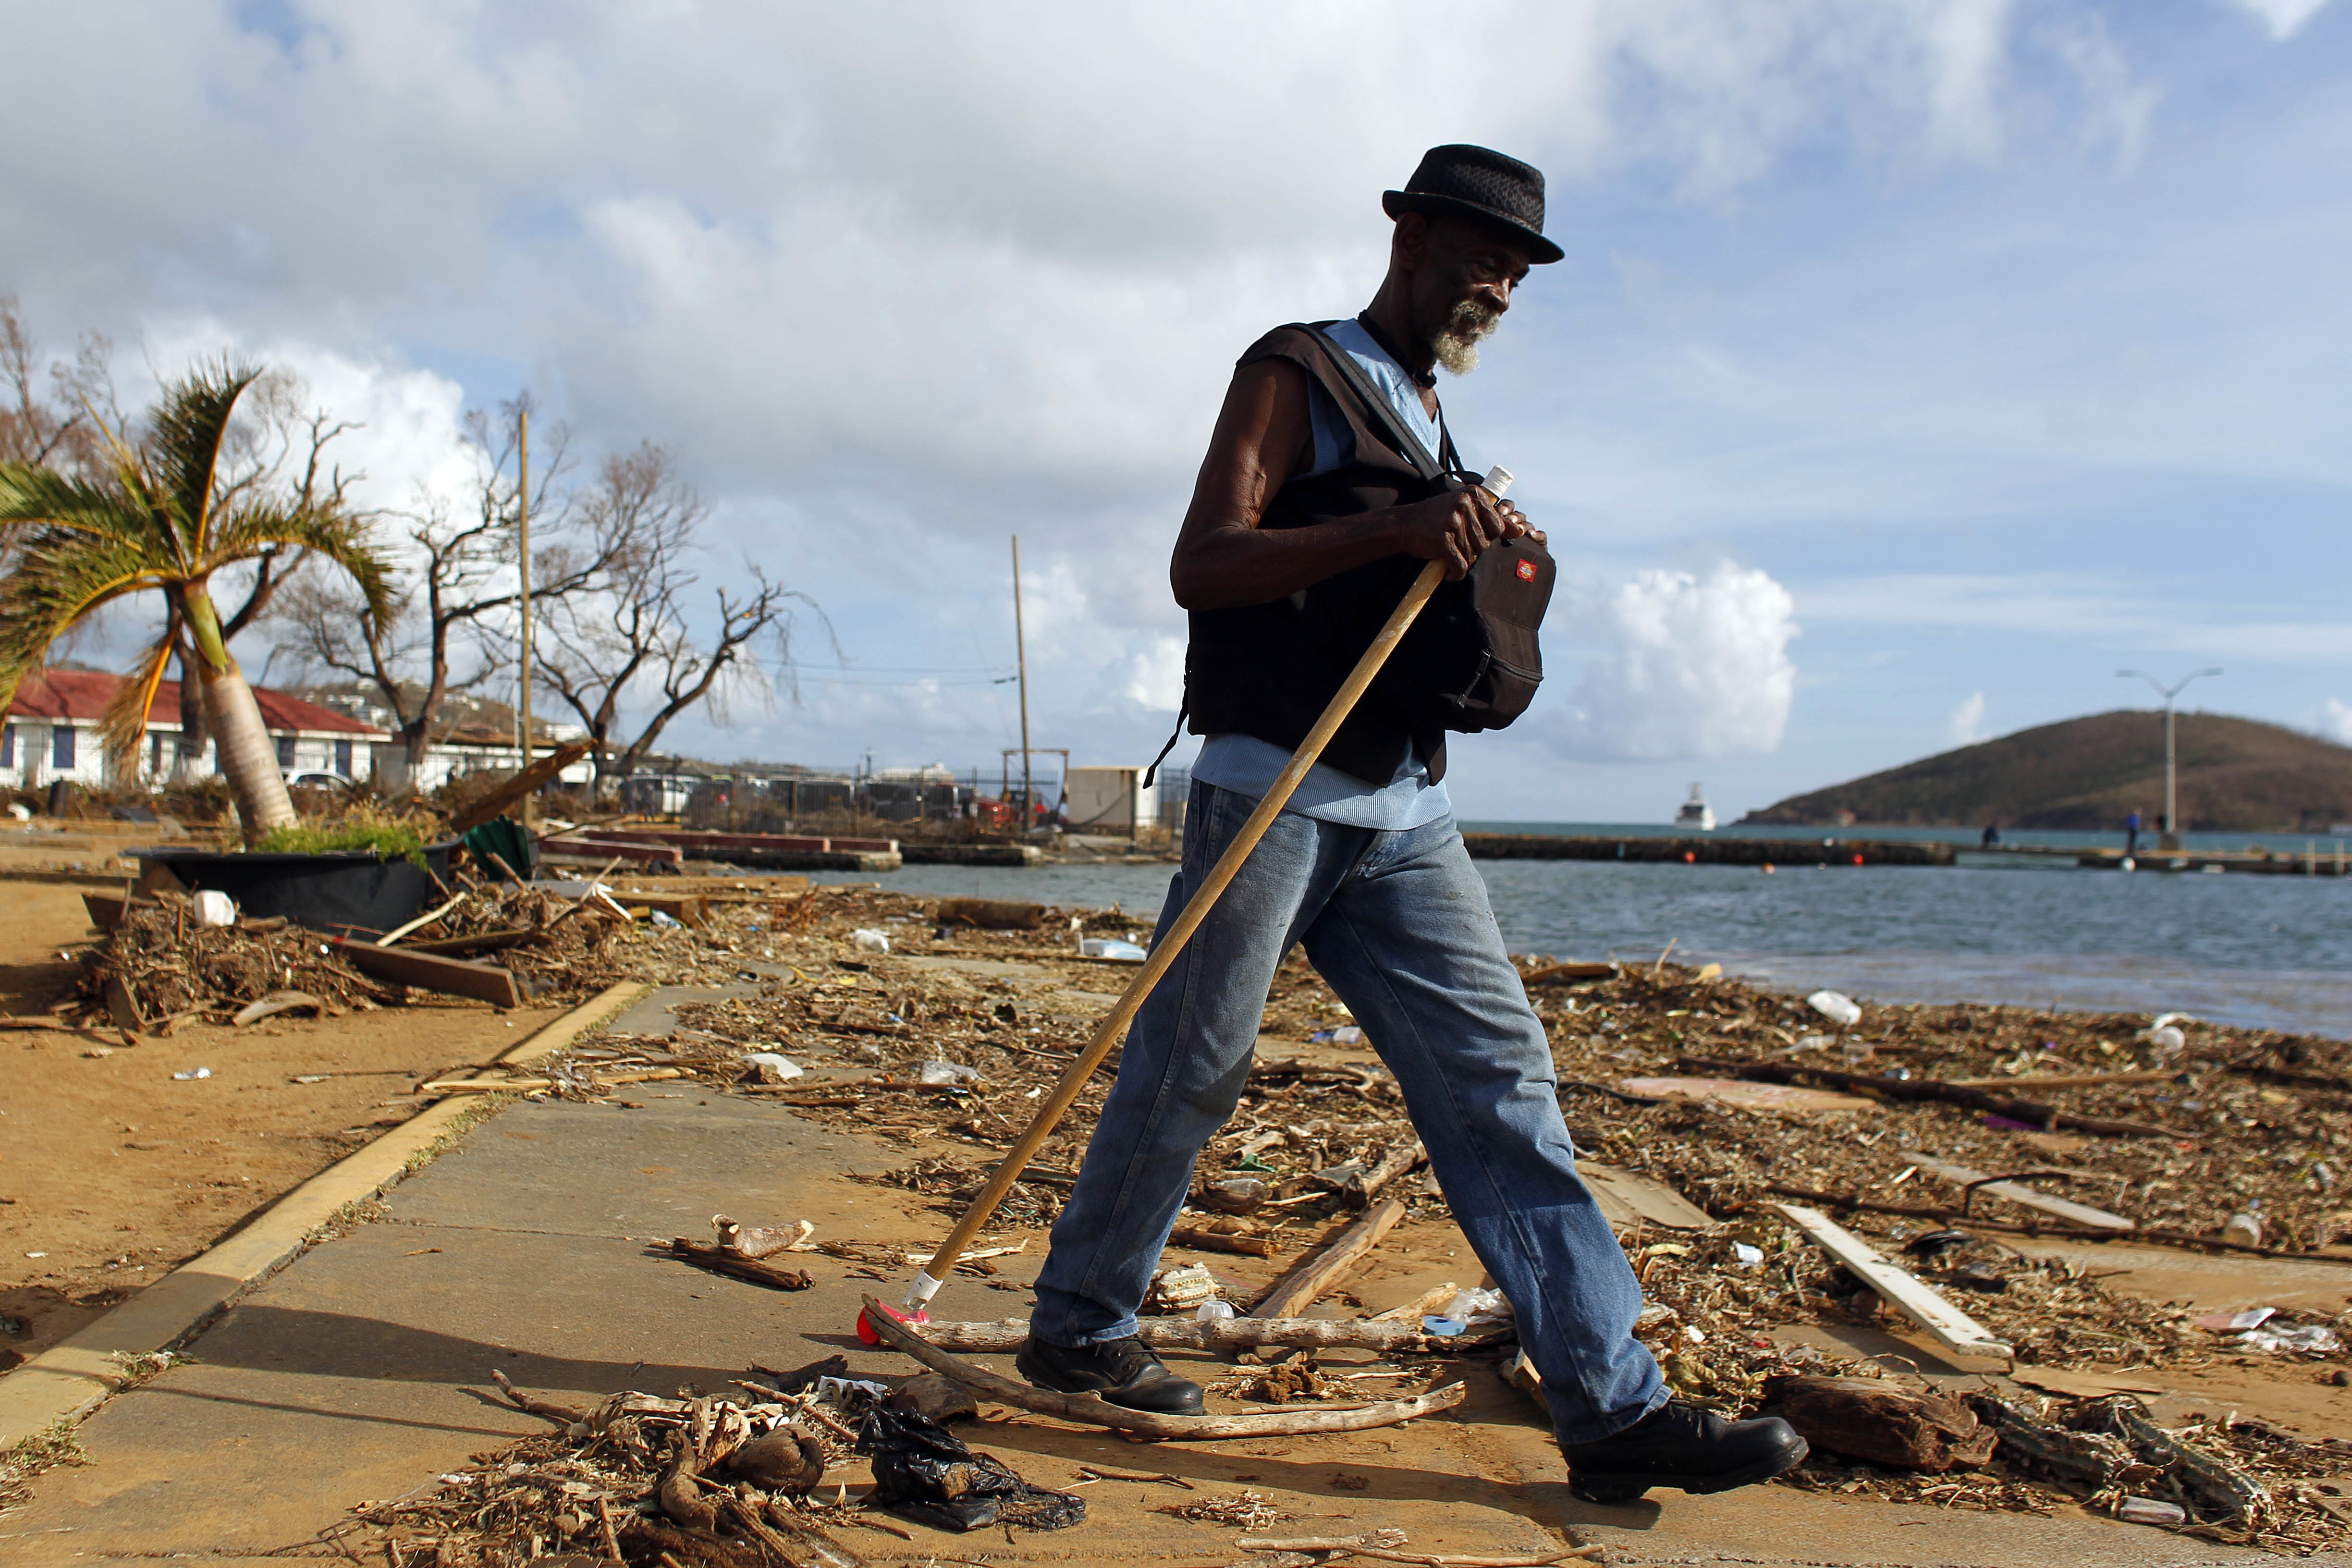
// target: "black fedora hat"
[[1483, 185]]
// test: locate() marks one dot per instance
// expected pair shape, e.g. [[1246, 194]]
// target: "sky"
[[1915, 366]]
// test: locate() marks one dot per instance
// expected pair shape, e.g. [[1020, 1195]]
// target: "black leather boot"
[[1681, 1446], [1123, 1372]]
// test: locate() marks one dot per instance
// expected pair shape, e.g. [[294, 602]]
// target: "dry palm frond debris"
[[943, 1045]]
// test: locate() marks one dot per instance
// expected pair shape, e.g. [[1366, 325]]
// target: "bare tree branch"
[[629, 634]]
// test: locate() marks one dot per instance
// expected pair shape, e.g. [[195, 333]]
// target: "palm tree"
[[160, 516]]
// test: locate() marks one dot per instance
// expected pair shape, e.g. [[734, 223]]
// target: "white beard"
[[1456, 342]]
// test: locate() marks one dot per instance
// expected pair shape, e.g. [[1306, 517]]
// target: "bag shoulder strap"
[[1376, 404]]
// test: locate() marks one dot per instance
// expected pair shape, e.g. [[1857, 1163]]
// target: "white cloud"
[[2337, 719], [1694, 666], [1965, 724], [2282, 17]]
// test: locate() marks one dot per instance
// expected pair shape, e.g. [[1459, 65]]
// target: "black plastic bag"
[[924, 1471]]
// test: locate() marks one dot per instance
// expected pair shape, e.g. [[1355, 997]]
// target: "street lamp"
[[2170, 839]]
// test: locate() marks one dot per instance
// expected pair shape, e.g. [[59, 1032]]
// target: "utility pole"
[[2170, 838], [1021, 657], [522, 505]]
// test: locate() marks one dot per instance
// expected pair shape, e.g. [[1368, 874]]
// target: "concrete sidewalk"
[[351, 1376]]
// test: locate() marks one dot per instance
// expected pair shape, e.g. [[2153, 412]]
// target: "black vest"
[[1269, 671]]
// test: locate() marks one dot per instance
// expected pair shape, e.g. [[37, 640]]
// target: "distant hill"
[[2237, 775]]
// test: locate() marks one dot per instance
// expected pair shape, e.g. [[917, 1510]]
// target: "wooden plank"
[[1946, 1324], [1298, 1290], [106, 910], [1628, 1199], [430, 971], [1743, 1095], [520, 785], [687, 909], [2018, 1192]]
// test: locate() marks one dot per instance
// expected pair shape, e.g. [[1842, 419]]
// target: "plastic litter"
[[1112, 948], [2165, 1039], [1215, 1309], [663, 921], [1811, 1043], [214, 907], [1471, 1308], [193, 1073], [2314, 1337], [1749, 1257], [2244, 1227], [1836, 1006], [1182, 1288], [2151, 1510], [867, 940], [772, 1066], [1346, 1034], [946, 1072], [926, 1473]]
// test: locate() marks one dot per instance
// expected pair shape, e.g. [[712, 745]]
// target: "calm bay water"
[[2265, 952]]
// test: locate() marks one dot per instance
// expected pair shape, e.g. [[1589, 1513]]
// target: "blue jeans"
[[1398, 924]]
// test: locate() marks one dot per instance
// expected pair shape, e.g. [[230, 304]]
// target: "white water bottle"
[[1497, 481]]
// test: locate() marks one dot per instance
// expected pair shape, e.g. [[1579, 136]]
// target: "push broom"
[[1165, 950]]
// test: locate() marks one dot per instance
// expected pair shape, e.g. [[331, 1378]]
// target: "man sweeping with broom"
[[1330, 480]]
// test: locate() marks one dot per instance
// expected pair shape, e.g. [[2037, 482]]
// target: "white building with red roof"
[[52, 732]]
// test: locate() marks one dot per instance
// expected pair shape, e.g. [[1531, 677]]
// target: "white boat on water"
[[1695, 812]]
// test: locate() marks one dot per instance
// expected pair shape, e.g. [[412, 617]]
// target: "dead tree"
[[457, 591], [57, 425], [631, 637]]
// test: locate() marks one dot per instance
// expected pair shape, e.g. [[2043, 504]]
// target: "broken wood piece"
[[123, 1008], [690, 910], [107, 909], [1299, 1288], [1363, 1188], [1190, 1333], [1383, 1546], [761, 1241], [1882, 1422], [1562, 973], [1202, 1239], [1944, 1323], [1628, 1198], [481, 941], [420, 922], [515, 788], [990, 914], [719, 1260], [278, 1001], [1420, 1307], [1742, 1095], [429, 971], [2015, 1192], [1092, 1410]]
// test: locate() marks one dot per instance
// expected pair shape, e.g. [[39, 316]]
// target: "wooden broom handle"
[[1165, 951]]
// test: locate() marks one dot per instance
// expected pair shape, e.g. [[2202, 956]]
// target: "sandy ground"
[[112, 1172]]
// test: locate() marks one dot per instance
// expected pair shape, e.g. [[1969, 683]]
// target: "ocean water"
[[2257, 951]]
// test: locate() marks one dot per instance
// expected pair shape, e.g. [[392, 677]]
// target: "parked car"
[[315, 778]]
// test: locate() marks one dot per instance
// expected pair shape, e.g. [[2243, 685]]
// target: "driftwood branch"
[[1190, 1334], [1091, 1410], [719, 1260], [2032, 1112], [546, 1410]]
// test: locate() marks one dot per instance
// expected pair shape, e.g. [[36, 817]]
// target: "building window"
[[285, 751], [344, 758], [62, 746], [155, 751], [7, 746]]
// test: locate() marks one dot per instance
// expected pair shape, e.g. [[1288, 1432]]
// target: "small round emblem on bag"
[[1527, 571]]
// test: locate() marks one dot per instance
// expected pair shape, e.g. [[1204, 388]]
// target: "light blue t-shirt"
[[1247, 765]]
